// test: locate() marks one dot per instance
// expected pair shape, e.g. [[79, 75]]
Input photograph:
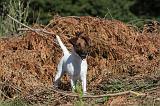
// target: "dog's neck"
[[76, 56]]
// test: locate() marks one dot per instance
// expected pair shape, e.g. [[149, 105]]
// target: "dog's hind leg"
[[59, 74]]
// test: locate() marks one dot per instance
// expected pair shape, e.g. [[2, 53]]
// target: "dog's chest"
[[76, 67]]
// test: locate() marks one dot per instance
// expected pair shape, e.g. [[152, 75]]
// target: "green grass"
[[78, 90], [17, 10], [102, 100], [15, 102]]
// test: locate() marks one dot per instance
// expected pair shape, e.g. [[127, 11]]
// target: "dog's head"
[[81, 44]]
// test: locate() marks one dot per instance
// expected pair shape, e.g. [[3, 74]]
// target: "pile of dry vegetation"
[[28, 62]]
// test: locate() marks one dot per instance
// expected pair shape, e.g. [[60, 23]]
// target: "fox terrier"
[[74, 63]]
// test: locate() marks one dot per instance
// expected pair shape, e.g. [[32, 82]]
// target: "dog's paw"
[[55, 86], [85, 93]]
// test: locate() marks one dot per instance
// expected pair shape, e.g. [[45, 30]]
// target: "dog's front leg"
[[84, 83], [73, 84], [83, 76]]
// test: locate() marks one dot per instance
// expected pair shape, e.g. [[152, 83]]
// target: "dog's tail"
[[63, 47]]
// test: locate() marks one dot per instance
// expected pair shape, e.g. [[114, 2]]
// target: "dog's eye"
[[76, 46], [79, 44]]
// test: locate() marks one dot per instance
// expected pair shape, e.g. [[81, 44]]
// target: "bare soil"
[[122, 57]]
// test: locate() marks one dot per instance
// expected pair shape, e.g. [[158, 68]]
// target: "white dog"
[[74, 63]]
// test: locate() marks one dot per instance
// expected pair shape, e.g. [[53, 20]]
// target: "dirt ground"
[[122, 57]]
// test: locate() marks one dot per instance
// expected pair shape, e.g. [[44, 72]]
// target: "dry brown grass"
[[28, 63]]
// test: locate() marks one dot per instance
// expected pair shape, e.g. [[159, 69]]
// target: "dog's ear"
[[87, 40], [73, 40]]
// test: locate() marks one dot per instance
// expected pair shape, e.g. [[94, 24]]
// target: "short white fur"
[[73, 65]]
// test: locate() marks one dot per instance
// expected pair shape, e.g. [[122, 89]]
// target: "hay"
[[30, 61]]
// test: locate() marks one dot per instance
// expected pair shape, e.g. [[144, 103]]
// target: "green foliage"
[[147, 8], [117, 9], [16, 102], [42, 11], [115, 85], [17, 10], [102, 100], [80, 101]]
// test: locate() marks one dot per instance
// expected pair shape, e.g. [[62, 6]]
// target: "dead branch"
[[20, 23], [37, 30], [4, 95], [99, 96], [29, 28]]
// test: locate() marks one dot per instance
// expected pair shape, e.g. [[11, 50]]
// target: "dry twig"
[[29, 28], [99, 96], [20, 23], [37, 30], [1, 92]]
